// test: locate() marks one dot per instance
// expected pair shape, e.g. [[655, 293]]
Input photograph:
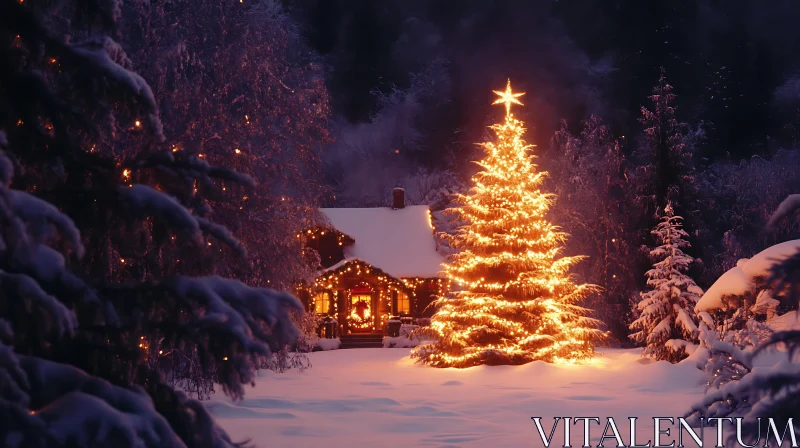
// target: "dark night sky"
[[727, 59]]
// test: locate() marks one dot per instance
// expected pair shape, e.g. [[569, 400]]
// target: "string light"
[[357, 277], [517, 302]]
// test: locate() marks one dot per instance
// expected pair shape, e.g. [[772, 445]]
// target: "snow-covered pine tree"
[[666, 323], [73, 344]]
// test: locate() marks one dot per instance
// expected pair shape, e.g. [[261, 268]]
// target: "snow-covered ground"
[[379, 397]]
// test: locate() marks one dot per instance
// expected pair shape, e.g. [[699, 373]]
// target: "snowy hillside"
[[379, 397]]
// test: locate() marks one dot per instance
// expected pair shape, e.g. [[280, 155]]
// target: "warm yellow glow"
[[403, 303], [383, 290], [321, 303], [137, 123], [361, 311], [237, 151], [517, 301], [126, 174], [508, 98]]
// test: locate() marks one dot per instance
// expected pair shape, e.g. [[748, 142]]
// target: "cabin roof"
[[399, 242]]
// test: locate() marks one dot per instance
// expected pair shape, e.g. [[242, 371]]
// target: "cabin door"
[[361, 310]]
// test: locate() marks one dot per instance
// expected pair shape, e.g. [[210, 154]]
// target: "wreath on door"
[[360, 316]]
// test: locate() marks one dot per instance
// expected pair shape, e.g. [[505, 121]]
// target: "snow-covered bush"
[[293, 356], [666, 323], [743, 302], [401, 341], [758, 393], [328, 344]]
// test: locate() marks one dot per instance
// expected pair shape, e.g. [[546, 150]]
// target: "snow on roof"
[[399, 242], [742, 278]]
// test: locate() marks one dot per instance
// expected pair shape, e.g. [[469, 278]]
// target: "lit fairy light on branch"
[[518, 302]]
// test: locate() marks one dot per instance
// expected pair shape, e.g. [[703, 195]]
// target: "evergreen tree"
[[518, 303], [76, 340], [666, 323], [595, 205], [664, 179], [238, 87]]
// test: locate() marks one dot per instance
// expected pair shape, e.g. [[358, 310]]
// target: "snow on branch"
[[245, 323], [750, 392], [684, 319], [22, 217], [188, 166], [145, 200], [242, 309], [96, 56], [221, 233], [81, 409], [201, 166], [789, 339], [789, 207], [38, 213], [24, 288]]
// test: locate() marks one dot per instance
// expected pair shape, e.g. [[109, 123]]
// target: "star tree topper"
[[508, 98]]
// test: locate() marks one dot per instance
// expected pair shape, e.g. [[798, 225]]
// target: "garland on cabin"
[[384, 283]]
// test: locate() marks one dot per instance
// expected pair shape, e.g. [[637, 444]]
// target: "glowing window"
[[361, 302], [321, 303], [403, 303]]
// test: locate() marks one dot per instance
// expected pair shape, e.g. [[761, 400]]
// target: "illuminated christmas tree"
[[517, 302]]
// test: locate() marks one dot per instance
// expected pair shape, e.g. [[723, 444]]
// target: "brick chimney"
[[398, 198]]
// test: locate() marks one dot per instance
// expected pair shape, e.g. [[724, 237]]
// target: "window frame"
[[327, 301], [399, 299]]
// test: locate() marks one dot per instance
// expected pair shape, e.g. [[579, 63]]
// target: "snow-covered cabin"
[[375, 264]]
